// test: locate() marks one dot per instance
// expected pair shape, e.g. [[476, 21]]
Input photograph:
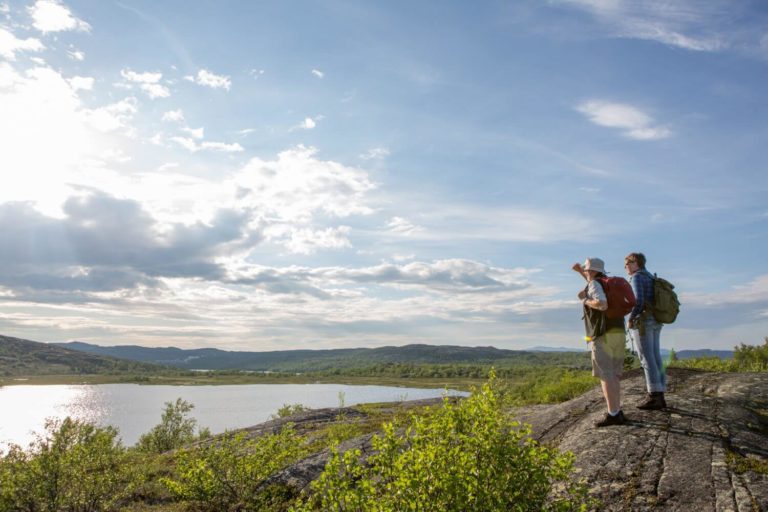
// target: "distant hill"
[[704, 352], [539, 348], [24, 357], [321, 360]]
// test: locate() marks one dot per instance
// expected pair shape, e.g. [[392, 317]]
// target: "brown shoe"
[[609, 420], [653, 402]]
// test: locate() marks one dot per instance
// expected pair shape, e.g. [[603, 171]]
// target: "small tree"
[[174, 430], [74, 466]]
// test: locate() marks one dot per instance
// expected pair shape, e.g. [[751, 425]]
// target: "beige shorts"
[[608, 355]]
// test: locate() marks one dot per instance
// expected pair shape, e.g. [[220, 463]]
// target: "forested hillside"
[[338, 359], [24, 357]]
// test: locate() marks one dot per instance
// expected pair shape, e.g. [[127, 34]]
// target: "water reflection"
[[134, 409]]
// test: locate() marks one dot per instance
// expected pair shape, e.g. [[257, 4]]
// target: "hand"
[[578, 268], [631, 323]]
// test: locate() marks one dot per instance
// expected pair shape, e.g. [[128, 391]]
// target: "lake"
[[134, 409]]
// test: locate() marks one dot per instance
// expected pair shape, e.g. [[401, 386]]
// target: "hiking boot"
[[653, 402], [609, 420]]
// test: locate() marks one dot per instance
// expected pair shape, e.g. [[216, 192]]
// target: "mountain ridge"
[[328, 359]]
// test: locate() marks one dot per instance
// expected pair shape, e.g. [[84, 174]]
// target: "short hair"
[[638, 257]]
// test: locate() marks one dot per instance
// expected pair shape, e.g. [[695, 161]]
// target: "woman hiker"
[[606, 336], [645, 332]]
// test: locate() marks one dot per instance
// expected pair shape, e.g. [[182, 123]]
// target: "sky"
[[334, 174]]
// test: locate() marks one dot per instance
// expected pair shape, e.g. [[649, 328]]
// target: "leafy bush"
[[230, 472], [73, 466], [752, 358], [175, 429], [746, 358], [289, 410], [465, 456]]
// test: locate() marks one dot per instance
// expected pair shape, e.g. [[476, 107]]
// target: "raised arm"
[[578, 268]]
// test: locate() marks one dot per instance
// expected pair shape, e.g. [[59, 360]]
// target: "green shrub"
[[751, 358], [73, 466], [746, 358], [175, 429], [230, 472], [289, 410], [465, 456]]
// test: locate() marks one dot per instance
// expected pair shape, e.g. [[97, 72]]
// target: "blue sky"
[[283, 175]]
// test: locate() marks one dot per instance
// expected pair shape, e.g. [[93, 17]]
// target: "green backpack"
[[666, 305]]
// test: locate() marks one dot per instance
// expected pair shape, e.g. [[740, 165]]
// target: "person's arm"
[[638, 288], [578, 268], [599, 300]]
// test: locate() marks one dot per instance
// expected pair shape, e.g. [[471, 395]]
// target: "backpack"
[[665, 305], [620, 297]]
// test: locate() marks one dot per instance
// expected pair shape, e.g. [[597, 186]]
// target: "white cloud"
[[754, 292], [309, 123], [174, 116], [186, 143], [54, 16], [634, 123], [5, 8], [148, 82], [209, 79], [10, 44], [375, 153], [691, 25], [157, 139], [194, 147], [76, 55], [222, 147], [155, 90], [246, 131], [297, 185], [167, 166], [51, 139], [307, 240], [196, 133], [146, 77], [318, 73], [112, 117], [84, 83], [403, 226], [512, 224]]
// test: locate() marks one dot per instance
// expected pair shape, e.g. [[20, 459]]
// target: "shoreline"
[[461, 384]]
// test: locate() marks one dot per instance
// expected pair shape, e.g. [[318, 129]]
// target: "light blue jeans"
[[648, 348]]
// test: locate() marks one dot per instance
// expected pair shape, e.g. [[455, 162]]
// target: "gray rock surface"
[[681, 458]]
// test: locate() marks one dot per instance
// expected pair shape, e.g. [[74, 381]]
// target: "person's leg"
[[604, 367], [651, 366], [612, 393], [659, 359]]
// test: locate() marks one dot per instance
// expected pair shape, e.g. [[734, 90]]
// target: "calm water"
[[135, 409]]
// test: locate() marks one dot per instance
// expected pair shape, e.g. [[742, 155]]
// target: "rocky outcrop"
[[694, 455], [708, 451]]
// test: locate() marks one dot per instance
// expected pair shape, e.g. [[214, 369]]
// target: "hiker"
[[645, 332], [606, 336]]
